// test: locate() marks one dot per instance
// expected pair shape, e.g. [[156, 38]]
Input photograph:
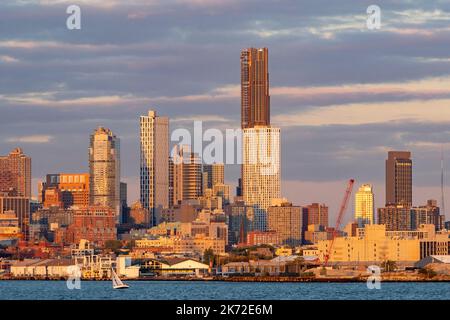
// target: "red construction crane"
[[344, 204]]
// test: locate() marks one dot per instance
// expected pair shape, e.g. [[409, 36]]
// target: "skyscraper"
[[185, 174], [15, 173], [104, 170], [399, 178], [286, 220], [255, 99], [214, 174], [154, 180], [261, 170], [364, 205]]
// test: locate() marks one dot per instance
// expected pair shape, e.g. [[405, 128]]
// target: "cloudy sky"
[[343, 95]]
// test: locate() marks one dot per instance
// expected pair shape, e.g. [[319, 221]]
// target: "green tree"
[[389, 265], [208, 256]]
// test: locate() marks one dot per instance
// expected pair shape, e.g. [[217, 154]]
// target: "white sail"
[[117, 283]]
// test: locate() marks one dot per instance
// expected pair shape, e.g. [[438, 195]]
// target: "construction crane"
[[342, 210]]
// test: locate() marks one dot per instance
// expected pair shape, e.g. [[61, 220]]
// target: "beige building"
[[364, 205], [185, 175], [154, 174], [213, 174], [183, 245], [223, 191], [374, 243], [104, 169], [47, 268], [286, 220], [261, 170]]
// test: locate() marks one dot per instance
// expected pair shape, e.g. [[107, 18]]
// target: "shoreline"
[[247, 279]]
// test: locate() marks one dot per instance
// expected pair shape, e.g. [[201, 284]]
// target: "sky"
[[343, 95]]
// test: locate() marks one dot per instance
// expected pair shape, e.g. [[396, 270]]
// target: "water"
[[184, 290]]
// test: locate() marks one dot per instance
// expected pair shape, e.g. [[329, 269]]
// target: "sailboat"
[[117, 283]]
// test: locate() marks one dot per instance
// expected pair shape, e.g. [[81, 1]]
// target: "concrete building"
[[9, 226], [185, 174], [175, 267], [399, 178], [255, 99], [261, 171], [364, 205], [240, 220], [317, 214], [65, 190], [256, 238], [184, 211], [395, 217], [213, 174], [42, 269], [210, 201], [427, 214], [316, 233], [181, 245], [15, 173], [96, 224], [154, 175], [375, 244], [104, 170], [126, 269], [223, 191], [286, 220], [21, 208]]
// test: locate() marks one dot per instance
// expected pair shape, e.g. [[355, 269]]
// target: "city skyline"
[[399, 107]]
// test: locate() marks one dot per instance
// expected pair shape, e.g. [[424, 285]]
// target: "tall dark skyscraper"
[[255, 99], [399, 178], [15, 173]]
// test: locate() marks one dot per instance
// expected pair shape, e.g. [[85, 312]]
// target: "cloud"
[[432, 111], [8, 59], [34, 139], [204, 118]]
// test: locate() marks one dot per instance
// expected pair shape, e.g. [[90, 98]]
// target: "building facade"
[[427, 214], [255, 99], [104, 170], [286, 220], [375, 244], [154, 174], [185, 174], [316, 214], [399, 178], [15, 173], [213, 174], [364, 205], [261, 170], [395, 217], [96, 224], [21, 208], [72, 188]]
